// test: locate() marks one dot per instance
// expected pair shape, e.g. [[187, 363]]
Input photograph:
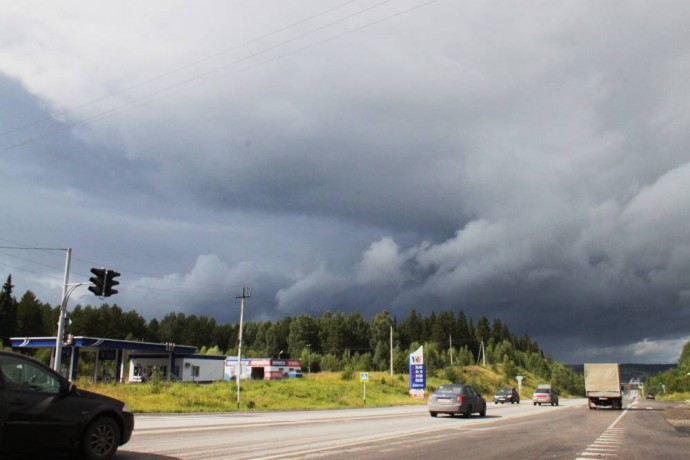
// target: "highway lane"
[[296, 434], [509, 431]]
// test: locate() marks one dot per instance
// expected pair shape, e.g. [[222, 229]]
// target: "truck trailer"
[[603, 386]]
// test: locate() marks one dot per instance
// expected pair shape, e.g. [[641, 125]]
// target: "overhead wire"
[[162, 93], [149, 290], [157, 77], [157, 95]]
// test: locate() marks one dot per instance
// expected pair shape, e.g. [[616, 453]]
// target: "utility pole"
[[309, 359], [450, 340], [482, 354], [244, 295], [391, 349]]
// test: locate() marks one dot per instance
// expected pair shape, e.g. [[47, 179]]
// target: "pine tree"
[[8, 310]]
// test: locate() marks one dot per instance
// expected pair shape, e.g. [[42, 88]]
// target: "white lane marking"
[[608, 442]]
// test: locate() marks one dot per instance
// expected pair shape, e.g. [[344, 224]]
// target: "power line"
[[168, 73], [157, 95]]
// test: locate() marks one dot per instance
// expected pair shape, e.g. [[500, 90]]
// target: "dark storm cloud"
[[527, 162]]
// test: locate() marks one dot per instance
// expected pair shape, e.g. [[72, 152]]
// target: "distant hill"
[[631, 371]]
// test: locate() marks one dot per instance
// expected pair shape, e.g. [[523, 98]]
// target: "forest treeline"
[[333, 341], [675, 380]]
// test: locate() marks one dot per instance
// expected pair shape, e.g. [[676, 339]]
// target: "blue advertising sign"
[[417, 376], [417, 372]]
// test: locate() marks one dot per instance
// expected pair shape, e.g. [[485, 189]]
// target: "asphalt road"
[[645, 430]]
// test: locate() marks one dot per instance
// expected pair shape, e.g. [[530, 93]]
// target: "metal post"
[[309, 359], [450, 339], [239, 343], [61, 319], [391, 349]]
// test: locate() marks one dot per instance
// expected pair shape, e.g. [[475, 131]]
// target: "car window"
[[24, 375], [457, 388]]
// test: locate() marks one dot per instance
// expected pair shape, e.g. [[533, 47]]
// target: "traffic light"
[[98, 281], [110, 281], [103, 282]]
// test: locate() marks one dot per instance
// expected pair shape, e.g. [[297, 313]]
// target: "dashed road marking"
[[608, 442]]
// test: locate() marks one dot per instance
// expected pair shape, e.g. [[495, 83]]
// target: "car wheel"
[[433, 414], [101, 439], [483, 412], [535, 404], [468, 412]]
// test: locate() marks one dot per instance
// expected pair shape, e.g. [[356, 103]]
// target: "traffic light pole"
[[61, 319], [105, 280]]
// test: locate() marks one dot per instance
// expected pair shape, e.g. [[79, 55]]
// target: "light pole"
[[61, 318]]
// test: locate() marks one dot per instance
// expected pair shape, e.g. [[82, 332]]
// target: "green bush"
[[347, 374], [450, 374]]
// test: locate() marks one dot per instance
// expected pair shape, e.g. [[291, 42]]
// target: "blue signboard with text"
[[417, 376], [417, 372]]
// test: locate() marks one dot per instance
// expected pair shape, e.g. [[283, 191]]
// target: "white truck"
[[603, 386]]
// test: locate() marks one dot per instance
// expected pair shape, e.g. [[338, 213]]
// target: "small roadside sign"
[[363, 376]]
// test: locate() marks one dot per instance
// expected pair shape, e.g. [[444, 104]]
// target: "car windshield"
[[542, 390], [449, 389], [503, 391]]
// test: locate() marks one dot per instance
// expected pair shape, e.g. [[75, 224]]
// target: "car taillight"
[[459, 399]]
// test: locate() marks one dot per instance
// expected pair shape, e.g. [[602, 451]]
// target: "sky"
[[527, 161]]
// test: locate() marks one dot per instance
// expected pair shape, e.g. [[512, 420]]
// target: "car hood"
[[90, 395]]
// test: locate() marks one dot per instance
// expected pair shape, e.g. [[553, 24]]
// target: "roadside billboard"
[[417, 373]]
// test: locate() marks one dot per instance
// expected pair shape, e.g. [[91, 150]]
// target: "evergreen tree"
[[462, 335], [8, 310], [380, 334], [304, 330], [153, 331], [333, 333], [358, 332], [30, 315], [411, 329]]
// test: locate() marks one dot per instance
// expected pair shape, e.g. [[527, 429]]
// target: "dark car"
[[42, 411], [456, 399], [650, 396], [545, 396], [507, 395]]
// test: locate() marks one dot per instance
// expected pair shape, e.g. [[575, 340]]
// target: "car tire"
[[483, 412], [101, 439], [433, 414], [468, 412], [535, 404]]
